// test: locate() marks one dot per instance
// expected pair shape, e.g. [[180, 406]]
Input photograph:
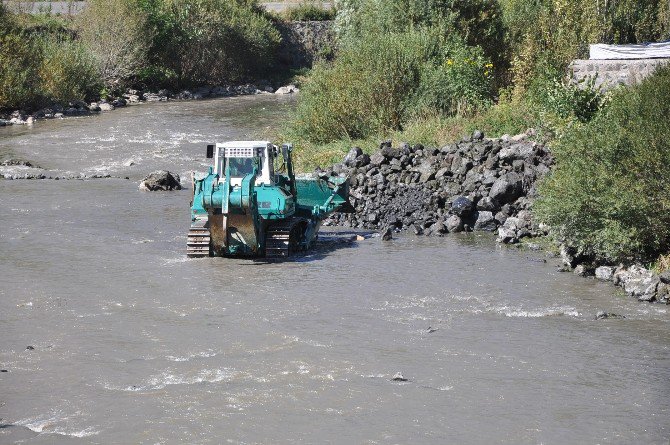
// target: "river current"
[[132, 343]]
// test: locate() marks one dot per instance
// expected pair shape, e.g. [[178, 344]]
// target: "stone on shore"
[[288, 89], [605, 273]]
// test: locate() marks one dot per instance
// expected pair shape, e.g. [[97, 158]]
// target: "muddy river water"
[[135, 344]]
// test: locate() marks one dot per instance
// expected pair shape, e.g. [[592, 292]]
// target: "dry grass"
[[663, 263]]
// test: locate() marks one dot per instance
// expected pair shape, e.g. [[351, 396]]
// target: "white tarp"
[[626, 52]]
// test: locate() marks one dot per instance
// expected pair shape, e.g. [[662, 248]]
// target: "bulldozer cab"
[[240, 158]]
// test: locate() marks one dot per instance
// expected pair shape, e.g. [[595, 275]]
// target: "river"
[[134, 343]]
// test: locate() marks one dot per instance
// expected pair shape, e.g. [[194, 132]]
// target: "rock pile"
[[475, 184]]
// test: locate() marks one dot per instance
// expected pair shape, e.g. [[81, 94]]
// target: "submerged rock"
[[602, 315], [387, 234], [398, 377], [161, 180]]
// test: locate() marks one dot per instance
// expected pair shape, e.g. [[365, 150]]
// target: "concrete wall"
[[611, 73], [303, 43]]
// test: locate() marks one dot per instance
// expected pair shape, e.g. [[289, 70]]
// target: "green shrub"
[[210, 41], [67, 71], [119, 54], [458, 82], [19, 71], [308, 12], [386, 79], [608, 194], [477, 22]]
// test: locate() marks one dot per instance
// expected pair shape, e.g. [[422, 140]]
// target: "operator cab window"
[[240, 167]]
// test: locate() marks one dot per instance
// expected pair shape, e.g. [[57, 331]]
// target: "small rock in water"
[[161, 180], [30, 348], [398, 377], [3, 370], [431, 329], [602, 315], [387, 234]]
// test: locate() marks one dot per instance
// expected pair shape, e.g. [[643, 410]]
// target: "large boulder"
[[161, 180], [485, 222], [605, 273], [638, 282], [454, 224], [507, 188], [288, 89], [350, 158]]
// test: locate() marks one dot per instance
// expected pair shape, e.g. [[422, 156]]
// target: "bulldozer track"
[[281, 239], [198, 242]]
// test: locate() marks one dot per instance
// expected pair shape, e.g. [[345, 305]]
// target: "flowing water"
[[135, 344]]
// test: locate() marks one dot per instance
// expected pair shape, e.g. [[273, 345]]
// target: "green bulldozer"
[[250, 203]]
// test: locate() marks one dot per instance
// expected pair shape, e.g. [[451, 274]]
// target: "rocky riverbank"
[[133, 96], [476, 184]]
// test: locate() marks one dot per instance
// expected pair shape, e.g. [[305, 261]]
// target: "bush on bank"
[[608, 194], [117, 43], [208, 41], [41, 64], [395, 64]]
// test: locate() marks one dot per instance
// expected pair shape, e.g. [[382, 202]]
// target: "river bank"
[[133, 97], [475, 184]]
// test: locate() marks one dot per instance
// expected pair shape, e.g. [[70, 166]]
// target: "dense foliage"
[[608, 194], [39, 64], [398, 60], [208, 41], [117, 43]]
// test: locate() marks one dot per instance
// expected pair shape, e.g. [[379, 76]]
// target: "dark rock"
[[602, 315], [377, 159], [462, 207], [477, 135], [485, 222], [30, 348], [431, 329], [350, 158], [487, 204], [665, 277], [398, 377], [387, 234], [19, 162], [507, 188], [161, 180]]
